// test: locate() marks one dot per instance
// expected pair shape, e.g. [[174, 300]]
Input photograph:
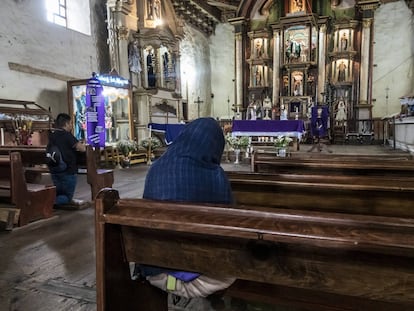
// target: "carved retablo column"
[[322, 63], [276, 67]]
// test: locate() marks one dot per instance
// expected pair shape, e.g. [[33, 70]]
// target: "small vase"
[[126, 162], [281, 152], [237, 154]]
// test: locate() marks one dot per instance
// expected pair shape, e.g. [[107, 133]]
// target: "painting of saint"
[[297, 44], [297, 6]]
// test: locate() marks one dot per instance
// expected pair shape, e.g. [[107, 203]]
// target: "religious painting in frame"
[[117, 102], [297, 6], [297, 44]]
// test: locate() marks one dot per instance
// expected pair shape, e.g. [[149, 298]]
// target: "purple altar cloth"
[[292, 128], [171, 130]]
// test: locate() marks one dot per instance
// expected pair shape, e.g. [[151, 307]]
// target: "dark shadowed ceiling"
[[205, 14]]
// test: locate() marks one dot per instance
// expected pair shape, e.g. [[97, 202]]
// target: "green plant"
[[282, 141], [126, 147], [237, 142], [154, 141]]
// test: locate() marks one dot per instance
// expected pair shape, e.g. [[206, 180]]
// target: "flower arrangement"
[[154, 141], [237, 142], [282, 141], [126, 147]]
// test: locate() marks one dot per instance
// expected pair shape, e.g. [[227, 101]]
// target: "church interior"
[[316, 103]]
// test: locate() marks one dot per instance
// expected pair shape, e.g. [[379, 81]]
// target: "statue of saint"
[[258, 76], [341, 114], [134, 59], [344, 42], [283, 112], [157, 9], [258, 49], [341, 72], [150, 70]]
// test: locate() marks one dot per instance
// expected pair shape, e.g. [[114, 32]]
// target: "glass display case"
[[23, 123], [118, 109]]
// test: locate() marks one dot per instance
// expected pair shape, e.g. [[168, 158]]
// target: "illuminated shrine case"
[[21, 119], [118, 109]]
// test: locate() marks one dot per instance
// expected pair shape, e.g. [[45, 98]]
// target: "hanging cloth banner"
[[95, 113]]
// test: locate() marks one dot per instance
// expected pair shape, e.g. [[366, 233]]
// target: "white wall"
[[196, 72], [393, 56], [51, 53], [222, 60]]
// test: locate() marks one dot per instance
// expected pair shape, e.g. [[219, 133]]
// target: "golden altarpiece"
[[303, 53]]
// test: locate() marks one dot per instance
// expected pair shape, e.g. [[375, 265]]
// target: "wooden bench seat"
[[313, 260], [34, 201], [342, 194]]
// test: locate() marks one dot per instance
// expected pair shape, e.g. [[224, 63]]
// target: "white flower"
[[237, 142], [126, 146], [282, 141], [155, 143]]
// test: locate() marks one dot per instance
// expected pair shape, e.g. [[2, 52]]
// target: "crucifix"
[[198, 102]]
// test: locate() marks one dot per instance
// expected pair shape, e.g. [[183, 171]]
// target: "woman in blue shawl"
[[190, 168], [189, 171]]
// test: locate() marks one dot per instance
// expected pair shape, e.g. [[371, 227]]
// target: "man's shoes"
[[75, 204]]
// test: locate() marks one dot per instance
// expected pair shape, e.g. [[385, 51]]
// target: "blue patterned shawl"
[[190, 168]]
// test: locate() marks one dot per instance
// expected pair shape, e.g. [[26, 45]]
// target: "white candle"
[[2, 136]]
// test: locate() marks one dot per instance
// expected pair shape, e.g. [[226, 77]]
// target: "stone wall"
[[38, 57], [393, 57]]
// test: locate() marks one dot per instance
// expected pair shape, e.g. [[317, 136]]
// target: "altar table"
[[290, 128], [171, 130]]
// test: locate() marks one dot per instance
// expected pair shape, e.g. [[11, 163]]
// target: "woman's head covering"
[[190, 168]]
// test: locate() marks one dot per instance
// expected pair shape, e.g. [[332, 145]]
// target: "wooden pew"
[[394, 156], [34, 201], [369, 195], [33, 160], [375, 166], [96, 177], [31, 155], [310, 260]]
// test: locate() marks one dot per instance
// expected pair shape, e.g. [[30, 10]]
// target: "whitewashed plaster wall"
[[195, 72], [393, 57], [222, 59], [52, 54]]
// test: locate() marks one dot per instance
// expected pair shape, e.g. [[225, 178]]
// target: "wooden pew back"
[[33, 160], [30, 155], [341, 194], [375, 166], [34, 201], [323, 261], [96, 177]]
